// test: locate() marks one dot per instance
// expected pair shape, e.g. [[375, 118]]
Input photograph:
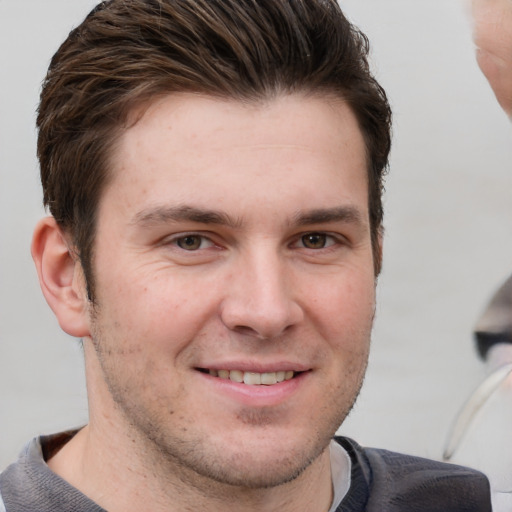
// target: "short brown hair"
[[126, 52]]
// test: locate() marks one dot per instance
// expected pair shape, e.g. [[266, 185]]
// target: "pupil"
[[314, 241]]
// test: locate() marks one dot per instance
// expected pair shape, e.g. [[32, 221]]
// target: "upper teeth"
[[253, 378]]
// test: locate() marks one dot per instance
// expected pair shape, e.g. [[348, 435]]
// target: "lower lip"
[[256, 395]]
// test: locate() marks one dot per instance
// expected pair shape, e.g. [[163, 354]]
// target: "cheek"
[[155, 307], [345, 308]]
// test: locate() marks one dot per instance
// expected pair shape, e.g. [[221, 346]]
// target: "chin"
[[264, 469]]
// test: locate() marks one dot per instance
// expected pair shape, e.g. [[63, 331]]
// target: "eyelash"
[[329, 241], [176, 239]]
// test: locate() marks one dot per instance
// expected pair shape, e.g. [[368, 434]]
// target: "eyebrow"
[[347, 214], [160, 214]]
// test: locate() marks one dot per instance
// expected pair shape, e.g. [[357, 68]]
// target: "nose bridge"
[[259, 297]]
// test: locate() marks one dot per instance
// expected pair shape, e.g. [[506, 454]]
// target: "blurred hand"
[[492, 33]]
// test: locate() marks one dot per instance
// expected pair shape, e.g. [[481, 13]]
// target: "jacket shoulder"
[[415, 484]]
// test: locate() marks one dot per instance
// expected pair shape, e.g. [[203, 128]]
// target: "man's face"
[[233, 243]]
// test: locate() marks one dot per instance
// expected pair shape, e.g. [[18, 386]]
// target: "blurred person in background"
[[492, 31], [480, 436]]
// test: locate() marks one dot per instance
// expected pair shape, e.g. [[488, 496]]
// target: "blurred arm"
[[492, 32]]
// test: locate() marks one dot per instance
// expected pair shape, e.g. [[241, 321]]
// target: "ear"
[[61, 277]]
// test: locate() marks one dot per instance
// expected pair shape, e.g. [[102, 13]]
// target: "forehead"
[[185, 144], [196, 114]]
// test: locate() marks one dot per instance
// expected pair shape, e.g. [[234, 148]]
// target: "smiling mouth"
[[252, 378]]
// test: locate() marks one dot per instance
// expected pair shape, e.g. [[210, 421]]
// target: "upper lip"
[[255, 367]]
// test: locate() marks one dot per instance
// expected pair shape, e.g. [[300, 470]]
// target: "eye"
[[193, 242], [316, 240]]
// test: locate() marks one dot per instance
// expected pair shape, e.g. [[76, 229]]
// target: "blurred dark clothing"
[[495, 324], [380, 481]]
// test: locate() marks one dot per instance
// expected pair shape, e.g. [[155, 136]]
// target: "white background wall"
[[448, 241]]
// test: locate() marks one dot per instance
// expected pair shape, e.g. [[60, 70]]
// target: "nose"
[[259, 299]]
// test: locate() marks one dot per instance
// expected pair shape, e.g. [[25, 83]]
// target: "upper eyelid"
[[338, 241], [177, 236], [217, 239], [332, 234]]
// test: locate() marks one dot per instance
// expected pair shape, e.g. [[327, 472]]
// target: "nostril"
[[248, 331]]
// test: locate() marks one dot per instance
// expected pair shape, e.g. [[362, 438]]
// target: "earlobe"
[[60, 277]]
